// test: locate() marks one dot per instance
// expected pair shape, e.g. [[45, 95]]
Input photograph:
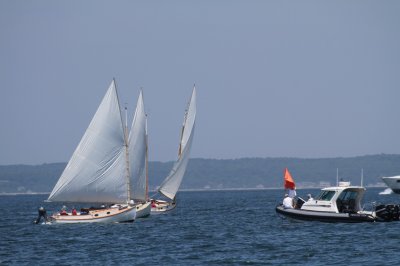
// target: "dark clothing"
[[41, 213]]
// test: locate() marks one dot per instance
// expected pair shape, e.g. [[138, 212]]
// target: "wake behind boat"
[[336, 204], [99, 171], [170, 185]]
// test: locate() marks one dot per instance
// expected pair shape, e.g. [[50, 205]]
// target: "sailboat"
[[99, 171], [171, 183], [138, 151]]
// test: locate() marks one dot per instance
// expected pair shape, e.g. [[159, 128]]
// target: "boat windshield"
[[347, 201], [348, 195], [326, 195]]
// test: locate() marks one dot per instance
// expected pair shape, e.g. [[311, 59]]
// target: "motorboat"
[[339, 204], [393, 182]]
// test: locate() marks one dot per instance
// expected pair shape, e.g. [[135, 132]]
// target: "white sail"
[[137, 152], [97, 170], [171, 184]]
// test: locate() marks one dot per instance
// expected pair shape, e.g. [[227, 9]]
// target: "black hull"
[[324, 216]]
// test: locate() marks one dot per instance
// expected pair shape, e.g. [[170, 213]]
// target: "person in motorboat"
[[309, 197], [74, 211], [287, 202]]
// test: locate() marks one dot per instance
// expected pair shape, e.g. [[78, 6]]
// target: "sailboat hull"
[[109, 215], [143, 209], [161, 206]]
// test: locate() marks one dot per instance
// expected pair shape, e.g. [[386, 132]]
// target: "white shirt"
[[288, 203]]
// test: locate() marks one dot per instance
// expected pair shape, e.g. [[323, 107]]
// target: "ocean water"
[[207, 228]]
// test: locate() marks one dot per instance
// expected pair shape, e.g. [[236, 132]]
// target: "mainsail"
[[171, 184], [97, 170], [138, 152]]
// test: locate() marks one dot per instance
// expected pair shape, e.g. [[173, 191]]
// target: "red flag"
[[289, 183]]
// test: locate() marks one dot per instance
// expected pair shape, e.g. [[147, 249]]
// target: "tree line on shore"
[[225, 173]]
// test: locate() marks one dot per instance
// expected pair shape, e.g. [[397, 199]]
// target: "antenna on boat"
[[337, 177], [362, 176]]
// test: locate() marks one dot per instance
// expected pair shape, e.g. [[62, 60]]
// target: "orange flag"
[[289, 183]]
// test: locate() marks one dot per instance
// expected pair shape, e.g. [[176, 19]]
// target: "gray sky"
[[273, 78]]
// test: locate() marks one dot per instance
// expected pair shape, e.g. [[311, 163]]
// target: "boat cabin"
[[341, 199]]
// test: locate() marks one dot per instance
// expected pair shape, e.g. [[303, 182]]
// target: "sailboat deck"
[[92, 214]]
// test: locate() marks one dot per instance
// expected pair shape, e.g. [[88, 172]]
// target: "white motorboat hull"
[[143, 210], [109, 215], [161, 206], [393, 183], [326, 216]]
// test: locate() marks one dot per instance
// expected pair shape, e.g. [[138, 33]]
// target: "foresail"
[[96, 171], [189, 120], [137, 152], [172, 182]]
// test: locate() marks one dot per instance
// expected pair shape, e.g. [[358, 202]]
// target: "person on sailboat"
[[287, 202], [41, 213], [63, 211]]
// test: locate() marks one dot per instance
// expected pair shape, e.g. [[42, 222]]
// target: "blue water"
[[207, 228]]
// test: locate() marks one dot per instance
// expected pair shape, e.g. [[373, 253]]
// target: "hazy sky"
[[273, 78]]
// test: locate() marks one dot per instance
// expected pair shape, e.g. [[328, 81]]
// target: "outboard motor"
[[388, 212], [394, 211], [41, 213]]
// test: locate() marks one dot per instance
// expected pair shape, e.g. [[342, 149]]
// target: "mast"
[[128, 175], [147, 163], [180, 140], [127, 172]]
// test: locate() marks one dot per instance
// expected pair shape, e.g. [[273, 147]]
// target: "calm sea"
[[207, 228]]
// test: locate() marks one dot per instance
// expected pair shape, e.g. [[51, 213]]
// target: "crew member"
[[309, 197], [287, 202], [41, 213], [63, 211]]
